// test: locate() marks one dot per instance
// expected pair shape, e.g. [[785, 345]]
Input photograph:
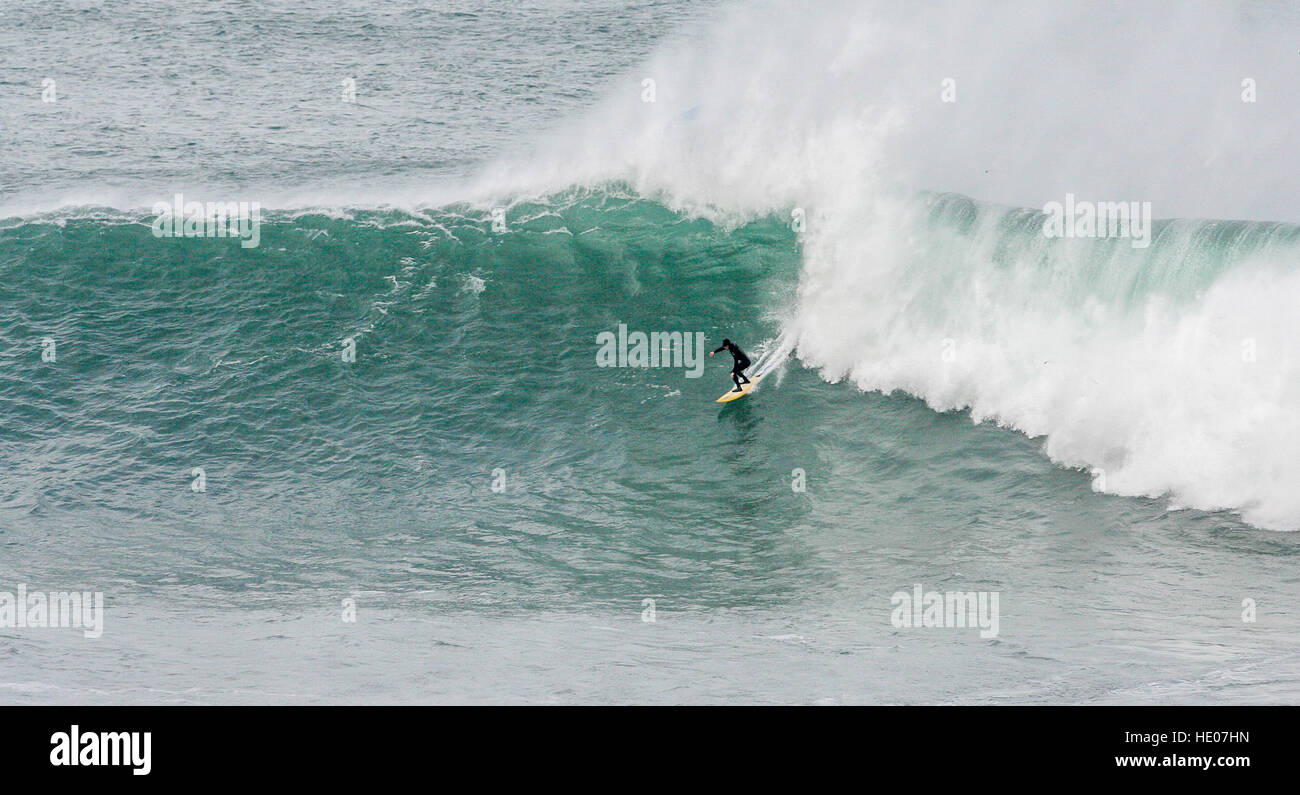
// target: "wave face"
[[476, 339], [475, 351]]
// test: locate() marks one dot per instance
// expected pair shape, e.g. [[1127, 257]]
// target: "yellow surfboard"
[[745, 389]]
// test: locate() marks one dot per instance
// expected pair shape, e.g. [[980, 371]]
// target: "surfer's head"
[[726, 343]]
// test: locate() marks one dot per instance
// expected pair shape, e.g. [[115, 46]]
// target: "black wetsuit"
[[742, 361]]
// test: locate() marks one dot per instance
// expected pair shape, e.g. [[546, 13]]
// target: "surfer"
[[742, 361]]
